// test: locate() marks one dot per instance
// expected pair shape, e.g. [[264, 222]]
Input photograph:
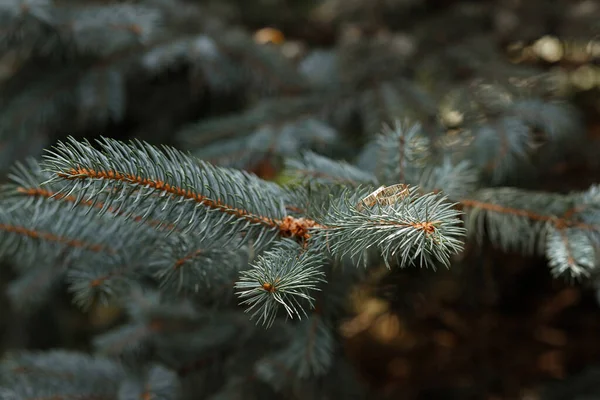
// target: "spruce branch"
[[94, 29], [530, 206], [381, 103], [571, 252], [270, 140], [74, 96], [217, 202], [311, 168], [226, 61], [29, 184], [59, 375], [564, 227], [101, 283], [281, 277], [50, 231], [403, 150], [149, 318], [502, 129], [172, 331], [457, 180], [149, 225], [409, 227], [96, 254], [502, 146], [279, 126], [586, 206], [509, 227], [126, 25], [33, 286], [192, 264], [308, 354], [12, 225], [221, 202]]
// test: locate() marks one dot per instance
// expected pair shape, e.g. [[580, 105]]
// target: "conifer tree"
[[233, 284]]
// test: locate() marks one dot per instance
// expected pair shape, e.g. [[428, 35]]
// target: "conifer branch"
[[411, 228], [150, 318], [32, 288], [59, 375], [194, 265], [27, 181], [81, 243], [502, 129], [403, 151], [45, 234], [309, 353], [561, 222], [314, 168], [457, 180], [565, 228], [143, 227], [274, 127], [119, 178], [173, 182], [571, 252], [283, 276], [51, 237]]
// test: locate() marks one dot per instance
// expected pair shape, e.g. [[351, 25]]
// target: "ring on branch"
[[385, 195]]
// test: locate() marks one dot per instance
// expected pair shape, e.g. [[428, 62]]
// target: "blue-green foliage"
[[233, 286]]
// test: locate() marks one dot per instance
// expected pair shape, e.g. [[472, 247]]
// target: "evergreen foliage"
[[234, 285]]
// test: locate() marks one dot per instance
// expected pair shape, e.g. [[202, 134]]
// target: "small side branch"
[[36, 234], [558, 222]]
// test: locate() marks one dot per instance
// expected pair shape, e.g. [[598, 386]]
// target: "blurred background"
[[247, 83]]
